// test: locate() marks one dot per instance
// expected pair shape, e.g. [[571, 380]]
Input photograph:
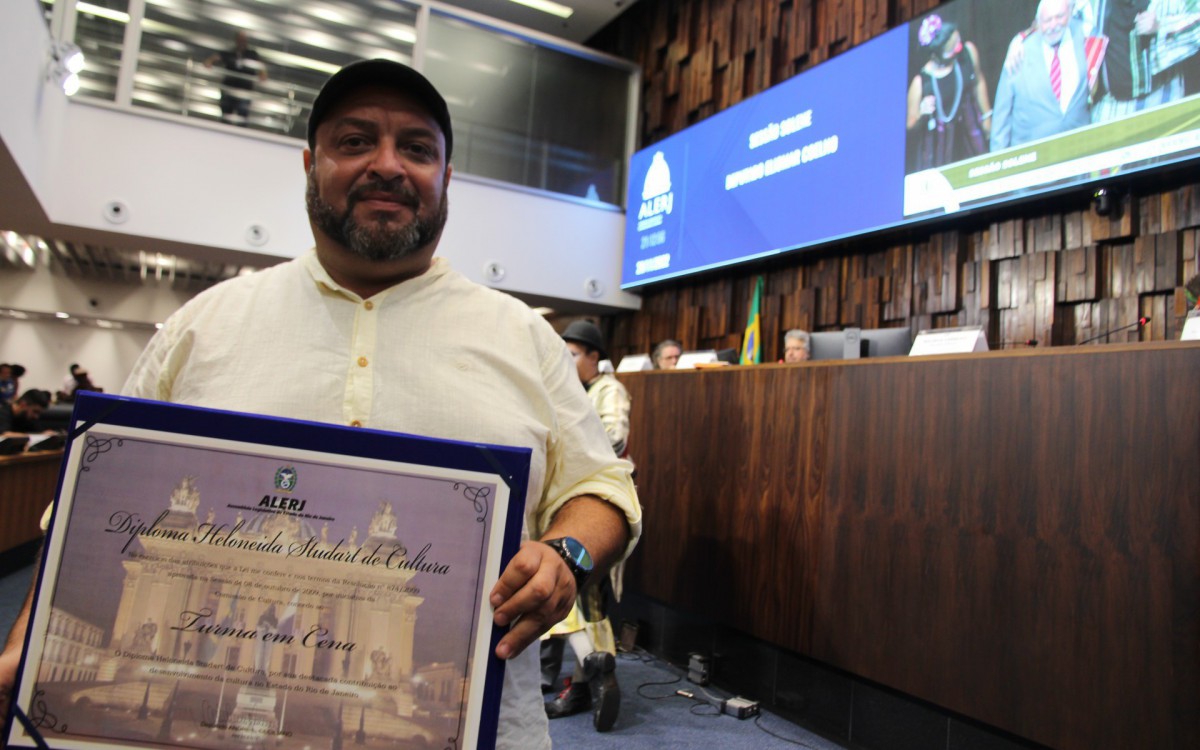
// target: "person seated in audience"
[[666, 355], [796, 347], [10, 381], [77, 380], [21, 416]]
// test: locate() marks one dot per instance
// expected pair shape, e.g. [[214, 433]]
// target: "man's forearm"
[[599, 525], [16, 636]]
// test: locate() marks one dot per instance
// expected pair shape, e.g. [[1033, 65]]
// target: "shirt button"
[[362, 361], [356, 423], [369, 305]]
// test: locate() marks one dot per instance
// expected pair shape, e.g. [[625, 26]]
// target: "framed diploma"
[[220, 580]]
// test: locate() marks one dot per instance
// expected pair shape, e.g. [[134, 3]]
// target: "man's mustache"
[[396, 190]]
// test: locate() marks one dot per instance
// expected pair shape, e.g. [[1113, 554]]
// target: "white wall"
[[42, 291], [204, 185], [46, 348], [30, 114]]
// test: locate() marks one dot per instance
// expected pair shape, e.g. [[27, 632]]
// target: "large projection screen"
[[975, 103]]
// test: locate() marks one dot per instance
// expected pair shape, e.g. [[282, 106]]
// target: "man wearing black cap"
[[608, 396], [391, 338], [593, 684]]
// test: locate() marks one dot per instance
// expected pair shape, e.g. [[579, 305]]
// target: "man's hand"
[[1016, 55], [534, 592], [8, 678]]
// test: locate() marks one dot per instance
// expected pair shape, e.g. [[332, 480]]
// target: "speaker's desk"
[[27, 485], [1012, 536]]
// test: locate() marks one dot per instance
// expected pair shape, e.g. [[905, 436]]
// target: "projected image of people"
[[1136, 51], [1049, 91], [948, 103]]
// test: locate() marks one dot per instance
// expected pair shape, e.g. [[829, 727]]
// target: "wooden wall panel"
[[1041, 580], [898, 283], [1078, 275], [28, 482]]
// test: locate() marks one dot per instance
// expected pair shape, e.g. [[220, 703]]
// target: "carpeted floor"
[[654, 717]]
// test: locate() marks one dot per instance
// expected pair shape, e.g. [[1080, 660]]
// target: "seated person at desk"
[[77, 380], [21, 416], [796, 347], [666, 355]]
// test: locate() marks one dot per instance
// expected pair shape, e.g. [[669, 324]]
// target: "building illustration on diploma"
[[304, 652]]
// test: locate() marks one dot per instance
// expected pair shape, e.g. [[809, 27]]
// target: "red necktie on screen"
[[1056, 75]]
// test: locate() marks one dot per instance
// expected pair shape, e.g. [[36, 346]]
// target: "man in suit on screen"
[[1047, 94]]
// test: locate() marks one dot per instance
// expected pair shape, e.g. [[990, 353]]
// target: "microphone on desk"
[[1014, 344], [1141, 323]]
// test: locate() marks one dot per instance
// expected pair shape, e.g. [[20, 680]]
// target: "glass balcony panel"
[[580, 116], [529, 114], [524, 113], [190, 64]]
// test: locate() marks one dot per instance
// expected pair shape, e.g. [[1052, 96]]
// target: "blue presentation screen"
[[962, 107], [775, 172]]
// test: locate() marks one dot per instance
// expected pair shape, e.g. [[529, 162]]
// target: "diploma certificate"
[[219, 580]]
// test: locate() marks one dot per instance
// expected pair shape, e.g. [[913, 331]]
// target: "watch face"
[[578, 553]]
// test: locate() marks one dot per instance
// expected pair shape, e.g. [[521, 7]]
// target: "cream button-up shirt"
[[436, 355]]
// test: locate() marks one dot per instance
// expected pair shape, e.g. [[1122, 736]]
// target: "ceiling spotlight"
[[66, 61], [547, 6]]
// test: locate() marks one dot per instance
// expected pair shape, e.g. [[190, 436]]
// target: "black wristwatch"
[[575, 555]]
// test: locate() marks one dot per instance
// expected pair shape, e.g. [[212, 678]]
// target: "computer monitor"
[[635, 363], [732, 356], [827, 345], [689, 360], [886, 342]]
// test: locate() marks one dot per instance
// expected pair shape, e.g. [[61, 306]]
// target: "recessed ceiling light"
[[96, 10], [547, 6]]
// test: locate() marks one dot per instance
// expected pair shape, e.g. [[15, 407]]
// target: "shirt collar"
[[438, 268]]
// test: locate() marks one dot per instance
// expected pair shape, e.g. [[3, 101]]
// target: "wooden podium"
[[28, 482], [1012, 536]]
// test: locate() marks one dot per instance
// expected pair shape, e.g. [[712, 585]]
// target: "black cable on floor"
[[758, 723], [707, 702]]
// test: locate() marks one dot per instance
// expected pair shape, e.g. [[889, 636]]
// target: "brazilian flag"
[[752, 341]]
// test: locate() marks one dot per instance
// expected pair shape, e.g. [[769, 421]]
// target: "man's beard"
[[377, 240]]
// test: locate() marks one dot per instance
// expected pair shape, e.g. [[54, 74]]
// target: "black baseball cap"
[[587, 333], [380, 73]]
